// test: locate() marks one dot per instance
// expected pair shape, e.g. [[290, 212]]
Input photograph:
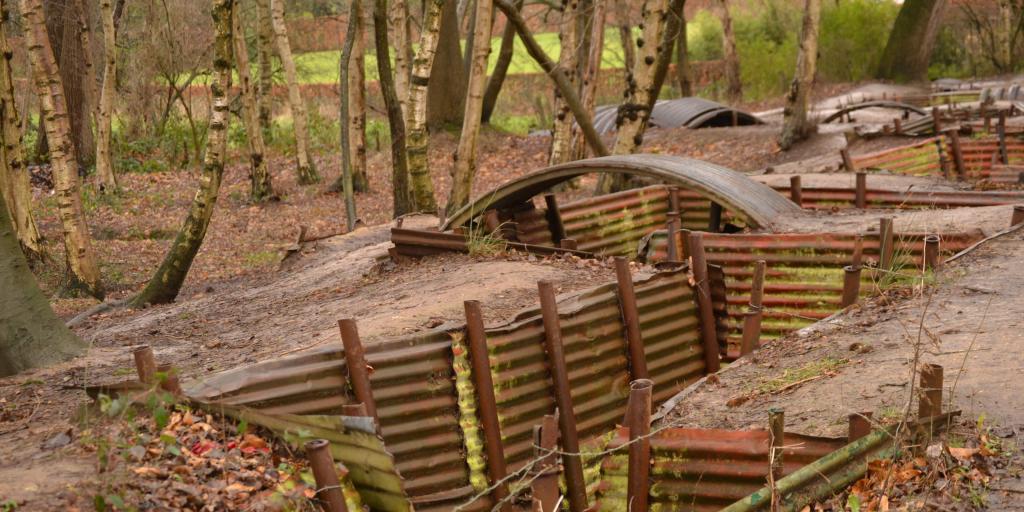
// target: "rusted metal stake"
[[684, 237], [896, 126], [631, 319], [752, 320], [569, 243], [544, 488], [672, 227], [776, 440], [145, 364], [1001, 131], [673, 199], [357, 410], [1018, 215], [931, 252], [847, 161], [171, 382], [860, 425], [930, 391], [858, 251], [563, 398], [796, 191], [328, 488], [708, 330], [851, 285], [885, 243], [715, 218], [554, 217], [958, 154], [487, 404], [860, 198], [943, 161], [355, 360], [640, 444], [936, 121]]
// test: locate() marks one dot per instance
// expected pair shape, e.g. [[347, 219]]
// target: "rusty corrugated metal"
[[803, 282], [887, 104], [757, 204], [978, 156], [704, 469], [595, 349], [839, 197], [918, 159]]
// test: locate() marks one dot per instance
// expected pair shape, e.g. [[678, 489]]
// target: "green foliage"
[[324, 134], [853, 35], [951, 59], [157, 151], [516, 125], [704, 36]]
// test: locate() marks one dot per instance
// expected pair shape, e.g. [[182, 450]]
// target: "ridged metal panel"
[[690, 112], [895, 105], [757, 204], [978, 155], [595, 349], [704, 469], [917, 159], [803, 282], [837, 197]]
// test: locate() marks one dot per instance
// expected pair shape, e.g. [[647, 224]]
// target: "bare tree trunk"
[[344, 83], [1005, 34], [557, 76], [625, 35], [83, 272], [92, 85], [641, 90], [465, 156], [446, 95], [399, 165], [166, 283], [357, 99], [63, 31], [399, 22], [14, 176], [260, 188], [561, 130], [416, 123], [104, 158], [265, 43], [734, 86], [32, 336], [306, 171], [505, 54], [683, 61], [796, 125], [906, 54], [591, 72]]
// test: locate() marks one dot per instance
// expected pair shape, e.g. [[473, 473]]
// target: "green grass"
[[807, 371]]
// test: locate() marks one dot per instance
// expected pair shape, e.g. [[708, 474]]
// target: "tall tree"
[[465, 157], [165, 284], [418, 142], [357, 98], [83, 271], [906, 54], [734, 85], [104, 111], [306, 170], [622, 15], [31, 335], [402, 30], [63, 29], [14, 176], [591, 71], [399, 164], [497, 79], [265, 44], [796, 125], [446, 95], [683, 80], [344, 96], [561, 131], [260, 187]]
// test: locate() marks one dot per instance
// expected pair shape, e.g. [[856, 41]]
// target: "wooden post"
[[776, 440], [958, 155], [752, 320], [931, 252], [145, 365], [796, 192], [897, 127], [851, 285], [885, 243], [930, 401], [860, 198], [860, 425], [936, 121], [708, 329]]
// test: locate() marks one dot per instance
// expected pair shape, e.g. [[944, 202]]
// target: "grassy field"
[[322, 67]]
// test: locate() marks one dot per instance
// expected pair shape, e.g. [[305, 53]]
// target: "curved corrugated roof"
[[689, 112], [896, 105], [758, 204]]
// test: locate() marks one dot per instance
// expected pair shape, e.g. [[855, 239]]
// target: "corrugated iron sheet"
[[757, 204], [922, 158], [690, 112], [839, 197], [918, 159], [704, 469], [804, 278]]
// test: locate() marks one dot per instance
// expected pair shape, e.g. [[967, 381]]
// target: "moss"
[[472, 433]]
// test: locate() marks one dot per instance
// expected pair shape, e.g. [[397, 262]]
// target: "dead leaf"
[[963, 453]]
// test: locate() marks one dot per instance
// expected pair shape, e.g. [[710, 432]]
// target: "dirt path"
[[860, 361]]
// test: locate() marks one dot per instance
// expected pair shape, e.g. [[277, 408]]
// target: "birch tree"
[[344, 84], [83, 271], [734, 87], [795, 123], [14, 177], [591, 72], [265, 45], [561, 131], [165, 284], [104, 111], [399, 164], [418, 142], [306, 170], [357, 98], [399, 21], [465, 157], [683, 79], [32, 336], [260, 187]]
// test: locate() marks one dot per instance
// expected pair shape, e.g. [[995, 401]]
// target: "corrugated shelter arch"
[[895, 105], [757, 204]]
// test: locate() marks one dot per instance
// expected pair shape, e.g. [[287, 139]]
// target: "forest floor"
[[242, 304]]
